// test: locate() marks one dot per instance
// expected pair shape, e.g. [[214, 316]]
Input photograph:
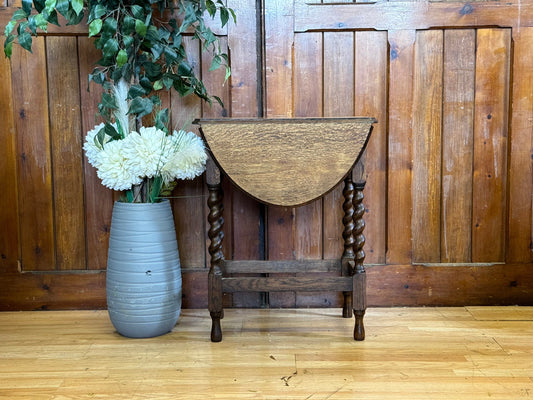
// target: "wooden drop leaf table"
[[288, 162]]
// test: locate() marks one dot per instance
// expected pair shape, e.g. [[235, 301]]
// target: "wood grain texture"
[[490, 145], [400, 147], [286, 161], [407, 15], [419, 353], [457, 145], [520, 244], [67, 158], [98, 199], [427, 122], [370, 99], [30, 98], [9, 240]]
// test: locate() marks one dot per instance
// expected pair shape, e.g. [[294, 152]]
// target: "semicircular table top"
[[286, 161]]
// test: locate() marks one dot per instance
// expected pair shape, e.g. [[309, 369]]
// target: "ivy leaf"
[[77, 6], [140, 27], [158, 85], [224, 16], [8, 46], [110, 48], [111, 131], [122, 57], [136, 91], [108, 101], [141, 106], [41, 22], [25, 41], [73, 18], [128, 25], [153, 70], [96, 12], [27, 6], [95, 27], [63, 6], [39, 5], [211, 7], [50, 5], [215, 64], [137, 11]]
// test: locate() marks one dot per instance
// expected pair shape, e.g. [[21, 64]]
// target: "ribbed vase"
[[143, 270]]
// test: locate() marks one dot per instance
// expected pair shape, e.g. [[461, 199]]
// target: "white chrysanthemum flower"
[[92, 147], [146, 152], [113, 169], [188, 158]]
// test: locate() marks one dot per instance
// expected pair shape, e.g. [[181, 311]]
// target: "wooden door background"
[[449, 166]]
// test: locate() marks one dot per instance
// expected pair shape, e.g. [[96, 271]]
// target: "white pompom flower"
[[188, 157], [113, 169], [146, 151], [92, 147]]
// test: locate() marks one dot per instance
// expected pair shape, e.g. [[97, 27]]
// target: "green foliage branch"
[[140, 41]]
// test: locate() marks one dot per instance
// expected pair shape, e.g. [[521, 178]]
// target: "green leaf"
[[52, 18], [137, 11], [41, 22], [50, 5], [9, 27], [96, 12], [111, 131], [8, 47], [211, 8], [122, 57], [141, 106], [110, 48], [25, 40], [63, 6], [110, 27], [128, 25], [108, 101], [153, 70], [224, 16], [39, 5], [137, 91], [215, 63], [73, 18], [158, 85], [95, 27], [140, 27], [77, 6], [27, 5]]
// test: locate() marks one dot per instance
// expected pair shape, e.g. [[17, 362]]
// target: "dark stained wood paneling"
[[67, 158], [490, 145], [427, 123], [520, 245], [433, 77], [98, 199], [400, 147], [457, 145], [370, 99], [36, 223], [9, 239]]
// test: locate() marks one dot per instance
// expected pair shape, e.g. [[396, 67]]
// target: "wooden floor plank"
[[409, 353]]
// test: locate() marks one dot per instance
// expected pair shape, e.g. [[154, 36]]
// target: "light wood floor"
[[308, 354]]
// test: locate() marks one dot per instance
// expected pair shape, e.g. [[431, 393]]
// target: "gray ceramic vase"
[[143, 270]]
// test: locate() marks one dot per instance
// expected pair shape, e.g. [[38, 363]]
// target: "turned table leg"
[[215, 233], [359, 284], [348, 256]]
